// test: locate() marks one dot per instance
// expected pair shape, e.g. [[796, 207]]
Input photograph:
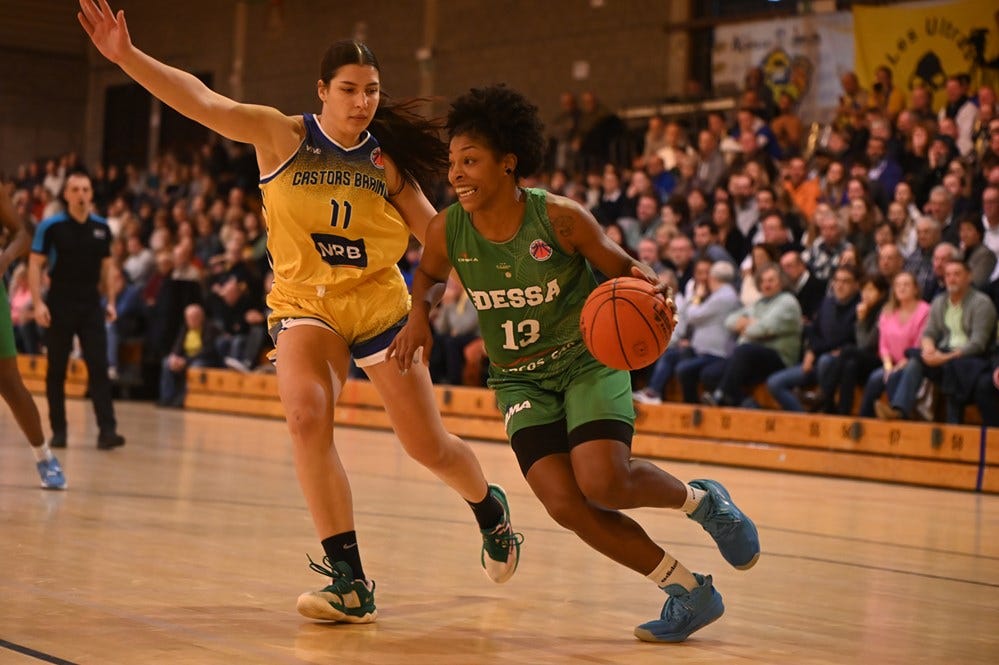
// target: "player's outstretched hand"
[[107, 30], [413, 336]]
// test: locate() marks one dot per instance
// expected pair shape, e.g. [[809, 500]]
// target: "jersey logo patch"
[[540, 250], [515, 409], [376, 158], [339, 251]]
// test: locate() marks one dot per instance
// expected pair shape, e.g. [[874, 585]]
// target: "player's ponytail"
[[411, 140]]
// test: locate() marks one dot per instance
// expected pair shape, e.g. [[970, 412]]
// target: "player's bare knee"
[[306, 421], [606, 489], [429, 452], [567, 512], [10, 385]]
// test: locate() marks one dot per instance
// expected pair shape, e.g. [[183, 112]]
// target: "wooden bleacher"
[[33, 369], [936, 455], [929, 454]]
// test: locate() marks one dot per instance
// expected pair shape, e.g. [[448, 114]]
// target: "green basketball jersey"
[[528, 292]]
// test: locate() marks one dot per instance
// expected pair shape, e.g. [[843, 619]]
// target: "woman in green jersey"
[[524, 257]]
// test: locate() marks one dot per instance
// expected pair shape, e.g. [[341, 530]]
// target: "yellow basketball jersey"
[[330, 225]]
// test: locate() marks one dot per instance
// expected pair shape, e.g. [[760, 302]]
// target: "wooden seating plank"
[[954, 475], [221, 403], [465, 401], [33, 368], [73, 389], [917, 453], [990, 480], [929, 440]]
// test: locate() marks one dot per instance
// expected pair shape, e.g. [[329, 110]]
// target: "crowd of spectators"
[[189, 254], [808, 258], [809, 261]]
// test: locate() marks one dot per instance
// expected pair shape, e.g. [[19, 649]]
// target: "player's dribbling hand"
[[414, 337], [107, 30], [662, 288]]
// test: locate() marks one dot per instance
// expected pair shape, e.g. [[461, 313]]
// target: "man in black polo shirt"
[[76, 245]]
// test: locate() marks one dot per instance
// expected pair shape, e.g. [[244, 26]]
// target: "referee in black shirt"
[[76, 244]]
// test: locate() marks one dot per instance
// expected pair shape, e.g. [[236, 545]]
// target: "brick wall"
[[527, 44]]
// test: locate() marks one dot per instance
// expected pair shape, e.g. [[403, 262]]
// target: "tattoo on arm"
[[564, 225]]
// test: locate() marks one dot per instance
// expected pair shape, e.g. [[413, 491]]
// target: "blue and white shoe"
[[733, 532], [683, 612], [51, 474]]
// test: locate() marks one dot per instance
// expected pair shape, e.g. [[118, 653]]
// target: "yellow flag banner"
[[924, 43]]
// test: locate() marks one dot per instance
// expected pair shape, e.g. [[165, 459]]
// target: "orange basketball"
[[626, 324]]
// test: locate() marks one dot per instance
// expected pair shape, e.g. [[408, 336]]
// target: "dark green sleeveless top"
[[528, 292]]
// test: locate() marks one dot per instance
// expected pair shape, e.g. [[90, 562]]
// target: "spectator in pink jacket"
[[899, 328]]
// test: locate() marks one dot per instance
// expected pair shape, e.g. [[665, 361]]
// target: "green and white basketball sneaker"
[[346, 599], [501, 545]]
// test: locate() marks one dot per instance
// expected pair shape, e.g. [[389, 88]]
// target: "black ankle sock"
[[488, 512], [343, 547]]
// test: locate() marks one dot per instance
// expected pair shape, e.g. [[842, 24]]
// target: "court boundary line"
[[34, 653]]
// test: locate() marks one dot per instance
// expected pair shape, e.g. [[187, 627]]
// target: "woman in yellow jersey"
[[340, 203]]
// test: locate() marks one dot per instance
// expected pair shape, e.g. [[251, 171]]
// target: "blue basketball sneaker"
[[683, 612], [733, 532], [51, 474]]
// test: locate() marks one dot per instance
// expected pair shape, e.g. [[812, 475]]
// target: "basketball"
[[626, 324]]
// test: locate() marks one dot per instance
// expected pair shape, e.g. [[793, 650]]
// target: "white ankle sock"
[[694, 497], [42, 452], [670, 571]]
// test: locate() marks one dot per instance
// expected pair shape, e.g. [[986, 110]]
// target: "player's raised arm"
[[266, 128]]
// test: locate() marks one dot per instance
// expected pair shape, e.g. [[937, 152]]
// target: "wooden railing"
[[937, 455], [33, 369], [928, 454]]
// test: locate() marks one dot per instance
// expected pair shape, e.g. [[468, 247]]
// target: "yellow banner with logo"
[[924, 43]]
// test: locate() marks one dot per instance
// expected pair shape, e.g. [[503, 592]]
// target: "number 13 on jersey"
[[522, 335]]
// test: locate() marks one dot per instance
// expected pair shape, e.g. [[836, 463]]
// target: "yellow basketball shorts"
[[367, 317]]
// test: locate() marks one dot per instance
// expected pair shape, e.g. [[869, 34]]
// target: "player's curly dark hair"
[[506, 120]]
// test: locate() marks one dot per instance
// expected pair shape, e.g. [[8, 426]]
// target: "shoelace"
[[341, 583], [504, 536], [719, 520], [678, 607]]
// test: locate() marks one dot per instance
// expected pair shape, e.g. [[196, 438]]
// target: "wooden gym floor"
[[188, 546]]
